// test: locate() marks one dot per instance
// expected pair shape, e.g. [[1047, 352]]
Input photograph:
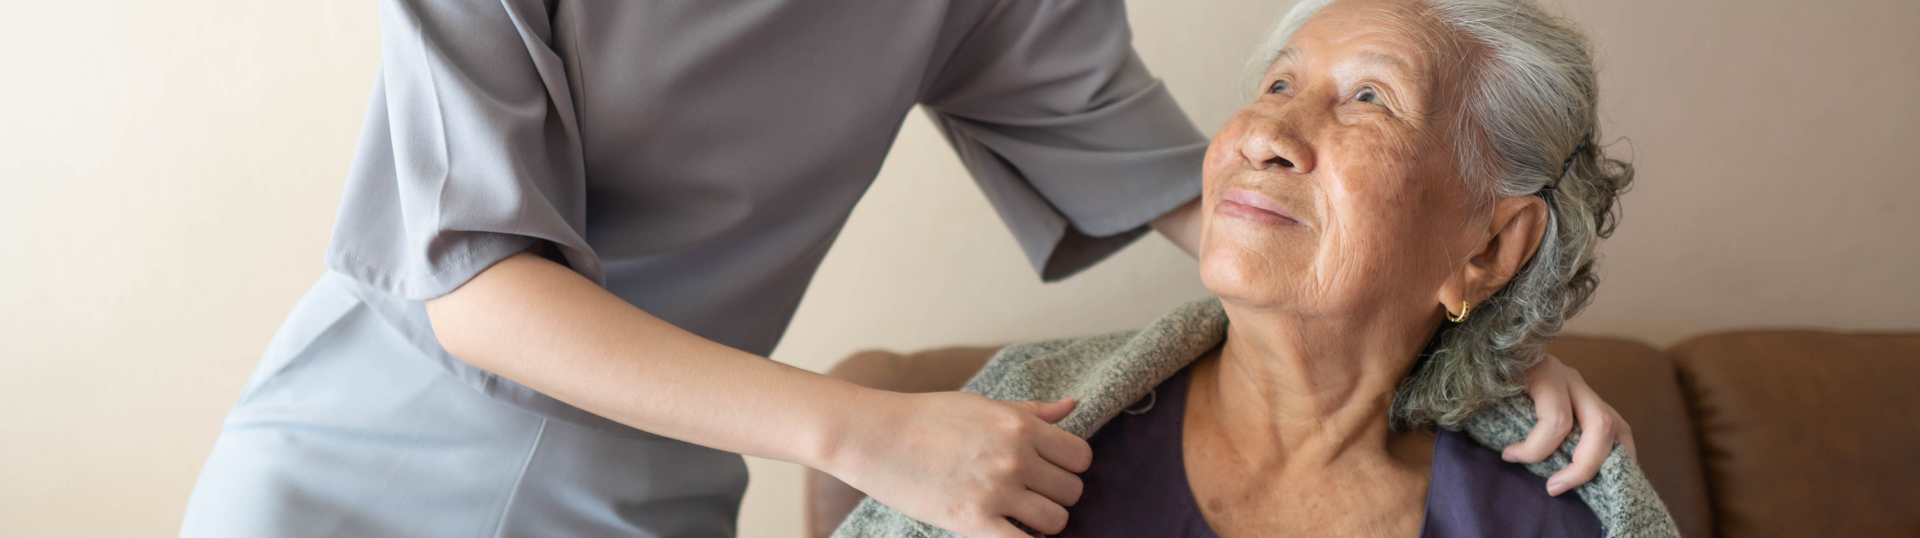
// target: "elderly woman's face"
[[1337, 189]]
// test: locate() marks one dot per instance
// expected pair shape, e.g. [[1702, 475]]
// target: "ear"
[[1511, 237]]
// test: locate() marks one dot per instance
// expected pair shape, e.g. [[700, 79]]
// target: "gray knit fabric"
[[1106, 373]]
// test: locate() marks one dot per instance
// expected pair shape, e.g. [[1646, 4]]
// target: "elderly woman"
[[1394, 229]]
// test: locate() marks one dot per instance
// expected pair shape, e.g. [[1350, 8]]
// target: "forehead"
[[1391, 35]]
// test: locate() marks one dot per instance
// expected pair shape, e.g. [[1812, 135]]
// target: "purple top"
[[1137, 485]]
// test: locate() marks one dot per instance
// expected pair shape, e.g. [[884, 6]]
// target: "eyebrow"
[[1368, 58], [1384, 60], [1285, 54]]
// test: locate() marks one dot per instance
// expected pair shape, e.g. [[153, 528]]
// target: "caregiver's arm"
[[1561, 398], [958, 461], [1182, 226]]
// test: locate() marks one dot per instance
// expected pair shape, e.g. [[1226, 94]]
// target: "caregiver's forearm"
[[542, 325], [959, 461], [1182, 226]]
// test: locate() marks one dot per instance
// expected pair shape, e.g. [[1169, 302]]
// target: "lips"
[[1256, 207]]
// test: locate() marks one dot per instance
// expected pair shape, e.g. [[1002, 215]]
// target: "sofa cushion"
[[1808, 433], [1640, 382]]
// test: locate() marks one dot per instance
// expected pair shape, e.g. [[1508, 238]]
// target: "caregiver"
[[573, 230]]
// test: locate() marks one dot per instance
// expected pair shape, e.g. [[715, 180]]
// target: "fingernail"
[[1508, 455], [1555, 487]]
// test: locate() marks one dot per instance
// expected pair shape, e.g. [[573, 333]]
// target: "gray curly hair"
[[1531, 102]]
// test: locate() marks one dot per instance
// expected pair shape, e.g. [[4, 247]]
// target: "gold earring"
[[1465, 307]]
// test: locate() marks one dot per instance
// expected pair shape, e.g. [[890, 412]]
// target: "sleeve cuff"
[[1074, 251], [421, 283]]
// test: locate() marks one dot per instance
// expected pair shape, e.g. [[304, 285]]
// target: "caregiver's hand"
[[1560, 396], [962, 462]]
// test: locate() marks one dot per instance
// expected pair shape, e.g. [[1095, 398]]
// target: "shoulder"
[[1103, 373], [1043, 369], [1474, 491], [1619, 495]]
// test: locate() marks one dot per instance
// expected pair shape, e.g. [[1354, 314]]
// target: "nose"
[[1276, 141]]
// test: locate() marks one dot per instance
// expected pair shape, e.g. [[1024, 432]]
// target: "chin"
[[1241, 276], [1254, 265]]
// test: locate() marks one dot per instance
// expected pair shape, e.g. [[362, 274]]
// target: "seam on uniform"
[[506, 508], [927, 80], [297, 359]]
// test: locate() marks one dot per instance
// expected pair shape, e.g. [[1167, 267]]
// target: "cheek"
[[1383, 241], [1223, 153], [1372, 199], [1385, 189], [1223, 158]]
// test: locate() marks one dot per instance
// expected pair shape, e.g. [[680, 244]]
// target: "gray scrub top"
[[697, 157]]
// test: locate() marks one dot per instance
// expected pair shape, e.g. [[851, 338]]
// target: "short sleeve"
[[470, 151], [1073, 141]]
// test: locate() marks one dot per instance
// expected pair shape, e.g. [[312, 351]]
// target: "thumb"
[[1050, 412]]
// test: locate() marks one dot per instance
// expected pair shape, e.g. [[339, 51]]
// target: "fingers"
[[1625, 436], [1597, 424], [1050, 412], [1054, 483], [1066, 450], [1552, 404], [1038, 513], [972, 463], [1583, 396]]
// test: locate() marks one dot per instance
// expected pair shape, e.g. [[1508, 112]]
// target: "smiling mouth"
[[1255, 207]]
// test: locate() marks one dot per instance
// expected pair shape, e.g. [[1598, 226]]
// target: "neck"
[[1290, 391]]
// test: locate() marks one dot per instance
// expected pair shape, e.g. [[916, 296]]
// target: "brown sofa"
[[1744, 434]]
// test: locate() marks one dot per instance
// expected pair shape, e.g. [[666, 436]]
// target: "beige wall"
[[170, 172]]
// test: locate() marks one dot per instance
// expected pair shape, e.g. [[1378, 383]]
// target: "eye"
[[1367, 95], [1280, 86]]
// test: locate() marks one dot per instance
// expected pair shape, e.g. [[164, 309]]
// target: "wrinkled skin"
[[1339, 234]]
